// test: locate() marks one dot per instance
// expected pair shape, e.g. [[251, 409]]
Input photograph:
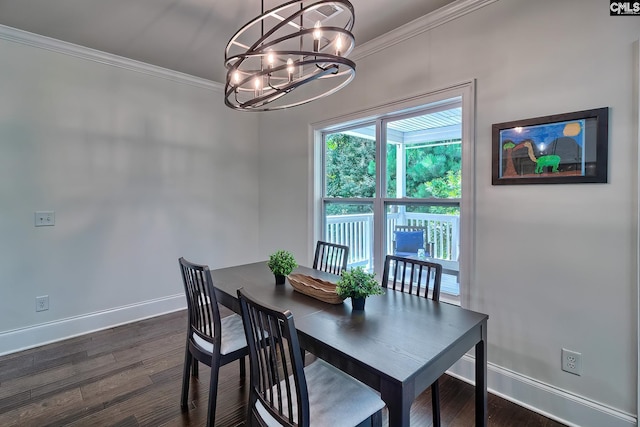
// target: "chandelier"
[[301, 42]]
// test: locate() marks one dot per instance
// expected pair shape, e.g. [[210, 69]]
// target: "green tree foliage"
[[431, 171], [448, 186], [351, 171], [424, 165], [351, 167]]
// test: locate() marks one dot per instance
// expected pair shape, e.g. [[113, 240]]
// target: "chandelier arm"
[[330, 66]]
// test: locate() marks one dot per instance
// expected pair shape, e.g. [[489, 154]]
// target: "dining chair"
[[283, 391], [210, 339], [330, 257], [416, 277]]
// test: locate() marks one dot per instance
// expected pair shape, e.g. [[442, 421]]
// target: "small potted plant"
[[357, 285], [281, 263]]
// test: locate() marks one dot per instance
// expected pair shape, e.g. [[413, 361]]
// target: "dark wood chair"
[[330, 257], [210, 339], [284, 392], [417, 277]]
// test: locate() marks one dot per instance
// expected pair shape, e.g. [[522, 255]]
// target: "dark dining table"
[[398, 345]]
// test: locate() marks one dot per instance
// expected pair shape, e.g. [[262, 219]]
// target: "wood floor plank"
[[15, 366], [93, 370], [43, 411], [40, 386], [151, 348], [129, 421], [113, 386], [165, 361], [454, 397], [14, 400], [26, 383]]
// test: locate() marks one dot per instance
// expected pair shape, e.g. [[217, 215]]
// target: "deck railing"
[[356, 231]]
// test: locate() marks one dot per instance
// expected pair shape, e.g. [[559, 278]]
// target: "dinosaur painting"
[[542, 150], [562, 148]]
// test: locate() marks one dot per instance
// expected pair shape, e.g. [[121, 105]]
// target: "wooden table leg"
[[481, 379], [398, 402]]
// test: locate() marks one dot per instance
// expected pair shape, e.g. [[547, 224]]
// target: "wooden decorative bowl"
[[315, 288]]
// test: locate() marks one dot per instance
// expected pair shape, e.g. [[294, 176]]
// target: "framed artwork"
[[559, 149]]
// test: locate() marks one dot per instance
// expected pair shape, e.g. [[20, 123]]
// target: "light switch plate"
[[45, 218]]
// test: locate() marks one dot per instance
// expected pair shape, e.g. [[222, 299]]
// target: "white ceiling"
[[183, 35]]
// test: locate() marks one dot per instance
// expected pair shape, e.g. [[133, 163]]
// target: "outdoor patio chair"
[[408, 239]]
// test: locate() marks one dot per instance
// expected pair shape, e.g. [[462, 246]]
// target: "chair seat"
[[231, 339], [335, 398]]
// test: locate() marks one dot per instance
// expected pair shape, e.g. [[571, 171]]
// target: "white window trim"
[[464, 90]]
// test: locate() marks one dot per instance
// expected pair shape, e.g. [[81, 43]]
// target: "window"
[[394, 184]]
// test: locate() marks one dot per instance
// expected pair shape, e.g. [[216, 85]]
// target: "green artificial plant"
[[356, 283], [282, 263]]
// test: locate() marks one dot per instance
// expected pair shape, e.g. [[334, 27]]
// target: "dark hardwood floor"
[[131, 376]]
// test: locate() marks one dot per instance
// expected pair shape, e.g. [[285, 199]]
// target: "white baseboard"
[[552, 402], [45, 333]]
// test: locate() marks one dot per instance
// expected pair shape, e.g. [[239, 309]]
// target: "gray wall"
[[139, 170], [556, 264]]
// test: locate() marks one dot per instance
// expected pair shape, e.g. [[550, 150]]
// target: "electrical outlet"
[[571, 361], [42, 303], [44, 218]]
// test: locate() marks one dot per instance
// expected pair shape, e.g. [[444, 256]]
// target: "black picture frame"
[[565, 148]]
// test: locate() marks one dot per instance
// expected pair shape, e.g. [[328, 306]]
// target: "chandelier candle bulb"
[[270, 59], [257, 84], [290, 69], [317, 35], [236, 81], [338, 45]]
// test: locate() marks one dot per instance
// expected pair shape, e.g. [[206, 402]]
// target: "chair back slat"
[[413, 276], [330, 257], [277, 380]]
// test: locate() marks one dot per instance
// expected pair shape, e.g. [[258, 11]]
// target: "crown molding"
[[419, 26], [42, 42]]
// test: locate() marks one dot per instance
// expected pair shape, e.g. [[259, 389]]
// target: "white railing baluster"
[[356, 231]]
